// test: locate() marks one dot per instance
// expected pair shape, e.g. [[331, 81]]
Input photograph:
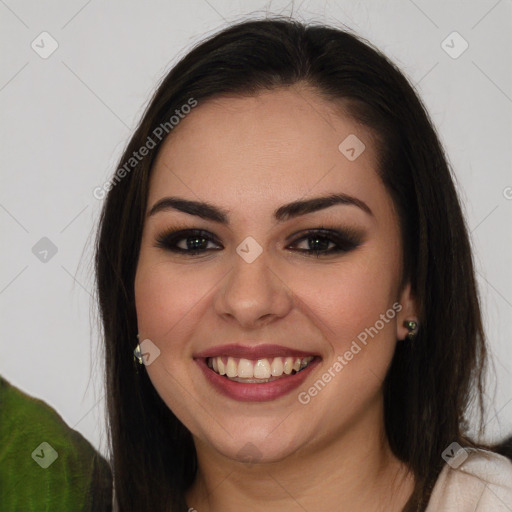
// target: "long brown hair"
[[431, 381]]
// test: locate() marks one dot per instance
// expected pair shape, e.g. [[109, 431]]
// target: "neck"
[[354, 471]]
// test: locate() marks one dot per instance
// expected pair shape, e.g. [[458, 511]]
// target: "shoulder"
[[42, 460], [473, 480]]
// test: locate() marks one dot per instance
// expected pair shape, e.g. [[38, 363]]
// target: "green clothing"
[[44, 464]]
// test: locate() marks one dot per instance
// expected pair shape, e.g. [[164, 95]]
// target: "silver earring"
[[413, 328], [137, 354]]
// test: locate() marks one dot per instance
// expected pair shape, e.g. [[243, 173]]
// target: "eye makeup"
[[320, 242]]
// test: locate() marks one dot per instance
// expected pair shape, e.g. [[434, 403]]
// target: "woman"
[[283, 247]]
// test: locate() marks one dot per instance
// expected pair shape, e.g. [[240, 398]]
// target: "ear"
[[409, 311]]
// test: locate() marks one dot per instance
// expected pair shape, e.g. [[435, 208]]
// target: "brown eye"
[[190, 242], [321, 241]]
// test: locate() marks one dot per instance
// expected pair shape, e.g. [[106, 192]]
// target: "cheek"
[[351, 296], [165, 303], [164, 297], [356, 310]]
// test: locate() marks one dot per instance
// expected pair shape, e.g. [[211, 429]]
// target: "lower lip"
[[263, 392]]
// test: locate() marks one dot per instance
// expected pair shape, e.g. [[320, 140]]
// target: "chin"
[[265, 444]]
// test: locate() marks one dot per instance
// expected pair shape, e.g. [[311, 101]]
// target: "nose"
[[253, 294]]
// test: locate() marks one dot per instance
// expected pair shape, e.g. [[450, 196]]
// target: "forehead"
[[261, 151]]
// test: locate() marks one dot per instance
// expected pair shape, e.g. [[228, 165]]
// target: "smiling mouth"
[[258, 371]]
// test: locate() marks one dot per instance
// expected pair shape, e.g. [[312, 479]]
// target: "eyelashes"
[[199, 237], [319, 242]]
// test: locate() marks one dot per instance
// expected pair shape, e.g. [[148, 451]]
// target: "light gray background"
[[66, 119]]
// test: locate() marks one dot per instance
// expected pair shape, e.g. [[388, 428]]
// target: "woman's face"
[[256, 301]]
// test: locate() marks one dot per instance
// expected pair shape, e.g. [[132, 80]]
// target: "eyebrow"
[[288, 211]]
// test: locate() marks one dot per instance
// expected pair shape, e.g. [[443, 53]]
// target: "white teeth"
[[245, 369], [276, 368], [231, 368], [221, 365], [288, 365], [262, 369]]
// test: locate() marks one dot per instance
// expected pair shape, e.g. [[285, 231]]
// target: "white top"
[[480, 481]]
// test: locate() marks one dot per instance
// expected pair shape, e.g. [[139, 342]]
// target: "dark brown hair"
[[431, 381]]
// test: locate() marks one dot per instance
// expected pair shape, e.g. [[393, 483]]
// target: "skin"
[[249, 156]]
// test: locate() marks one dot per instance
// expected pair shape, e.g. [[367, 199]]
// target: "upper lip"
[[252, 351]]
